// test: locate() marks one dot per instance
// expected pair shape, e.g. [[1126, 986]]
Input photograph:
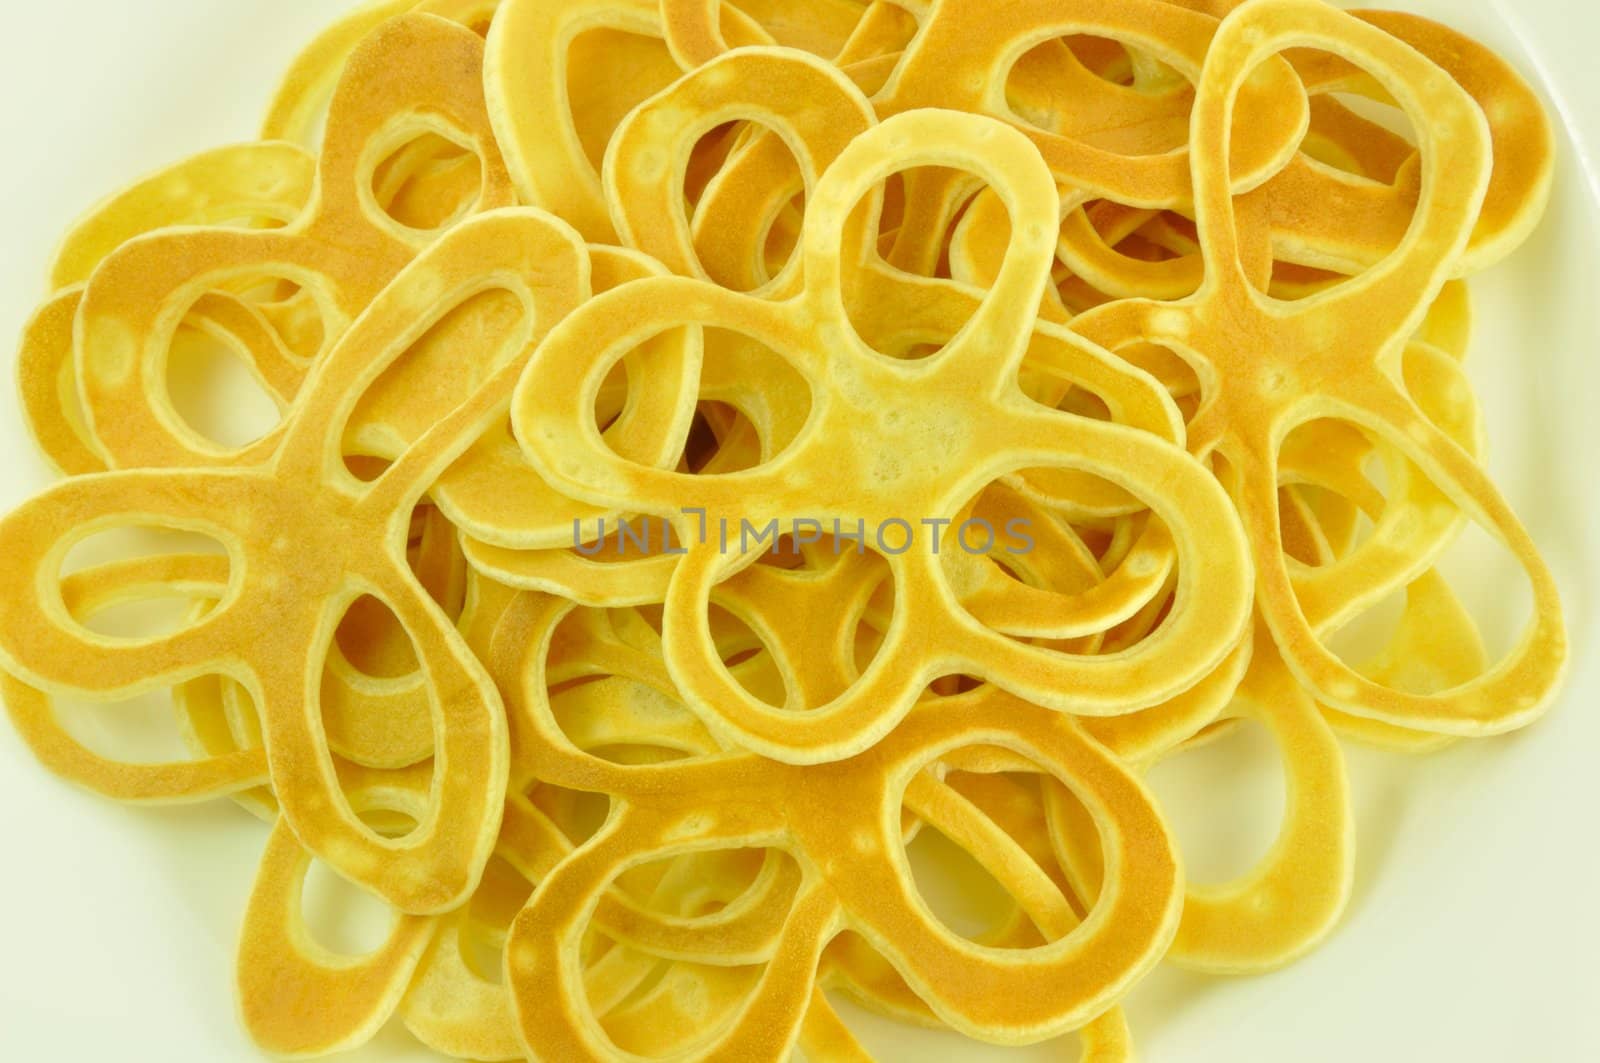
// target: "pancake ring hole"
[[428, 181], [980, 850], [632, 717], [661, 1007], [798, 628]]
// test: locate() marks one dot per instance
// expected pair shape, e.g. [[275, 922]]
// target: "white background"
[[1474, 931]]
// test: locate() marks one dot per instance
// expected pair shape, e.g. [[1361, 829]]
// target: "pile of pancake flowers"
[[715, 443]]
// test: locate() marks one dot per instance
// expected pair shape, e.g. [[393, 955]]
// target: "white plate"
[[1475, 926]]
